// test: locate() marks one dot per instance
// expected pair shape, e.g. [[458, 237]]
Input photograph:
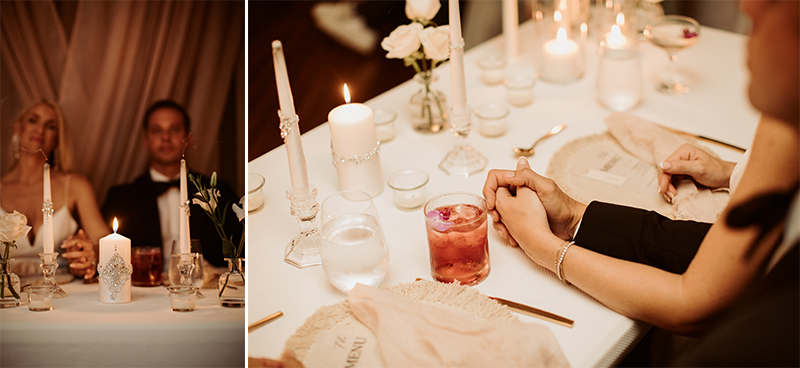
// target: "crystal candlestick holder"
[[49, 266], [185, 269], [463, 160], [303, 250]]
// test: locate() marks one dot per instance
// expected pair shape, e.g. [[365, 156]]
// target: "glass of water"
[[353, 248]]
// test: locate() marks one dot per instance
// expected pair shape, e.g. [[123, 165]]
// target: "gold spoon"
[[529, 151]]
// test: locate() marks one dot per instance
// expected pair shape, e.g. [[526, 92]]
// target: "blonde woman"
[[39, 136]]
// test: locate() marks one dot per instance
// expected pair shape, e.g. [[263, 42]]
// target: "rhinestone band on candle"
[[115, 274], [356, 159]]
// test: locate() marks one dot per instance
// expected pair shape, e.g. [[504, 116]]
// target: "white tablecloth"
[[82, 332], [717, 106]]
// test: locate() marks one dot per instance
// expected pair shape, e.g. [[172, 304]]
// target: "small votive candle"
[[182, 298], [492, 69], [255, 196], [519, 90], [409, 188], [40, 298], [384, 124], [492, 119]]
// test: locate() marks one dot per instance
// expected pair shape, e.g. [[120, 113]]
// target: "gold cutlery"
[[529, 151], [531, 311], [535, 312], [265, 319], [702, 137]]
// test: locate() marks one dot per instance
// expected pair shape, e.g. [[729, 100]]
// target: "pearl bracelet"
[[560, 259]]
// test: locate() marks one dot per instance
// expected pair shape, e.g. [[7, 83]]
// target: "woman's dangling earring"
[[15, 143]]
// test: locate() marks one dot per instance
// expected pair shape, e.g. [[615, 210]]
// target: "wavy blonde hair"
[[61, 156]]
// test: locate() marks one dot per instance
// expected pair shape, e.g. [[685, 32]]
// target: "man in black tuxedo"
[[147, 208]]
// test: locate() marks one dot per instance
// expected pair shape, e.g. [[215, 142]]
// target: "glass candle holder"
[[409, 188], [384, 124], [255, 196], [519, 90], [560, 34], [491, 66], [492, 119], [182, 298], [40, 298], [619, 71]]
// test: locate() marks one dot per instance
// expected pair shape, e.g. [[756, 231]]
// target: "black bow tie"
[[159, 187]]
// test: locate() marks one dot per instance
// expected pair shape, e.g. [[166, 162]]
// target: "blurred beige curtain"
[[121, 57]]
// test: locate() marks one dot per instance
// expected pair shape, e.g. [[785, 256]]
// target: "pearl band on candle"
[[457, 46], [47, 209], [356, 159]]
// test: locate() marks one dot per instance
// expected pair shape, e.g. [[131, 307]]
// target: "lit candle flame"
[[621, 19], [539, 15], [609, 4], [557, 16], [346, 94], [615, 30], [584, 28], [116, 225], [562, 35]]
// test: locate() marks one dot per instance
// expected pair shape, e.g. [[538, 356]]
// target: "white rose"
[[403, 41], [436, 42], [425, 9], [13, 226]]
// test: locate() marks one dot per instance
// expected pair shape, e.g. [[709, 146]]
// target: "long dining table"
[[81, 331], [716, 106]]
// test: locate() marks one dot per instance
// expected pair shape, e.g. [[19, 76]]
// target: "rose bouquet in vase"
[[12, 227], [423, 45]]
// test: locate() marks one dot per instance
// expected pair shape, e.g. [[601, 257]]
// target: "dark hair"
[[166, 104]]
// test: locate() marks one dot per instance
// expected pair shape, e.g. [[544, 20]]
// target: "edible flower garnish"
[[441, 219], [688, 34]]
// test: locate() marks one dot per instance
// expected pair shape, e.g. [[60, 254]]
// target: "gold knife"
[[535, 312], [702, 137]]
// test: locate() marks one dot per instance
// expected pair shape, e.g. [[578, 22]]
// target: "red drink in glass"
[[147, 264], [458, 237]]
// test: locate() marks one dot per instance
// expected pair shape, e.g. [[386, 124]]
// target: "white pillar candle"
[[48, 220], [184, 238], [353, 135], [109, 246], [294, 146], [458, 89], [615, 39], [561, 59], [511, 29]]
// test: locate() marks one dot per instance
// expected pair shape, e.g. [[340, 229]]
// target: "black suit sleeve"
[[640, 236]]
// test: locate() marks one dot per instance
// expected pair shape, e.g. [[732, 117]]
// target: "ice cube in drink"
[[458, 238]]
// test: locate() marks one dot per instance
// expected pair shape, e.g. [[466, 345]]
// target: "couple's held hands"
[[80, 252], [689, 160], [525, 205]]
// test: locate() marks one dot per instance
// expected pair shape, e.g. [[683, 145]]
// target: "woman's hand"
[[525, 219], [563, 212], [80, 252], [695, 162]]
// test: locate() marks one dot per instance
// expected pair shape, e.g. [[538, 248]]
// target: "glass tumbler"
[[353, 248], [458, 237]]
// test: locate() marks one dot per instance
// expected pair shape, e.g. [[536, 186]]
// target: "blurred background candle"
[[352, 137], [561, 59], [457, 87], [110, 245], [511, 29], [619, 71], [294, 146], [48, 220]]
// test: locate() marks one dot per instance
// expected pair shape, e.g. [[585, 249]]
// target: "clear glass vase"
[[231, 284], [428, 106], [9, 285]]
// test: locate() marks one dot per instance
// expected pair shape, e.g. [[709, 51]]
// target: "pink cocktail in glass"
[[457, 237]]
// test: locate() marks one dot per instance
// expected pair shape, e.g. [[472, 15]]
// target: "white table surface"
[[82, 332], [717, 107]]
